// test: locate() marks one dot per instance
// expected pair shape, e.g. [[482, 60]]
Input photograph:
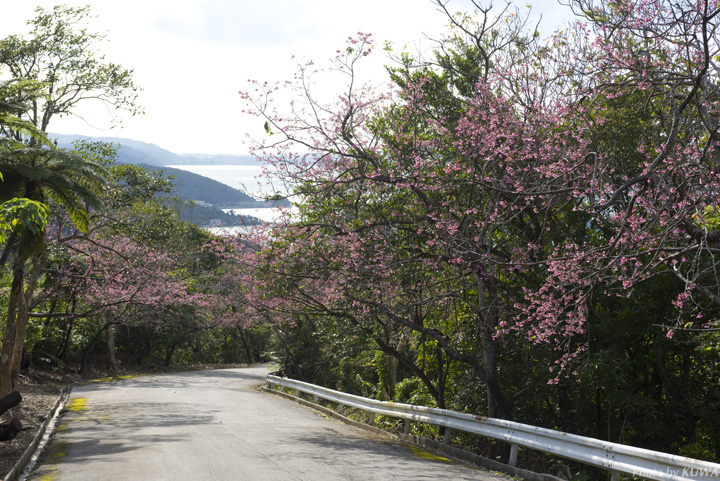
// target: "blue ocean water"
[[248, 178]]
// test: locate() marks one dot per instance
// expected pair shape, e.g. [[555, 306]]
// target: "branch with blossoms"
[[532, 200]]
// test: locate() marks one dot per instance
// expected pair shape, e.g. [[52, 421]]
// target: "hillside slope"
[[190, 186]]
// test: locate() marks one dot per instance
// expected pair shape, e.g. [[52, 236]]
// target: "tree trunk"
[[441, 379], [110, 344], [83, 360], [13, 343], [53, 305], [169, 353], [9, 401], [10, 336], [62, 351], [18, 347], [499, 406], [246, 345], [394, 364]]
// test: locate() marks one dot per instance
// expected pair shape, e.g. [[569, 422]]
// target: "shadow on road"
[[372, 456], [225, 377]]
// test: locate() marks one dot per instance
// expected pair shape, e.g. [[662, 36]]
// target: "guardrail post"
[[340, 408], [406, 429], [614, 476], [448, 434], [371, 422], [315, 398], [513, 456]]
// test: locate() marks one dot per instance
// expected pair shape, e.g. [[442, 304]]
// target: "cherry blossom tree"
[[652, 196], [514, 177], [394, 189]]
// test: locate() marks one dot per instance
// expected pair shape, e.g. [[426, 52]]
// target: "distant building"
[[201, 203], [215, 222]]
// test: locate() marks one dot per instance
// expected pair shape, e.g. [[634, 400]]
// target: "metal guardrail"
[[616, 458]]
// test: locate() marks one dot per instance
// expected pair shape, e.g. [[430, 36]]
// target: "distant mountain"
[[136, 152], [208, 195]]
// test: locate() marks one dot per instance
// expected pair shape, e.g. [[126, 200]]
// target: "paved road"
[[215, 425]]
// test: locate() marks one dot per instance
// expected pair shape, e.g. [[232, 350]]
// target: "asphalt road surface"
[[216, 425]]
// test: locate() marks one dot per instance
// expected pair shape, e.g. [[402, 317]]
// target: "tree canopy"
[[501, 209]]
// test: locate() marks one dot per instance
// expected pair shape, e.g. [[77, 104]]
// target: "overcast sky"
[[191, 57]]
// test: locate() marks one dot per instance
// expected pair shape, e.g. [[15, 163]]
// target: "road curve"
[[215, 425]]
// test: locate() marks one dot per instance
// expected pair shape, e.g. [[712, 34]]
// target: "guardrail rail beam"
[[616, 458]]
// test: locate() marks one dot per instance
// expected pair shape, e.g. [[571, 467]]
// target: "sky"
[[191, 57]]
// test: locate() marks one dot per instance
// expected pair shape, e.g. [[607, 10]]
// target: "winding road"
[[216, 425]]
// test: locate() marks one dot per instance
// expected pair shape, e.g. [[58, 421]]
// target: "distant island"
[[207, 195]]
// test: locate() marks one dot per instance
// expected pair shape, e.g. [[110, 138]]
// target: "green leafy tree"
[[43, 176], [65, 69], [51, 71], [17, 213]]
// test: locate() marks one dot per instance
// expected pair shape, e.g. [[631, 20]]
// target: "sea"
[[247, 178]]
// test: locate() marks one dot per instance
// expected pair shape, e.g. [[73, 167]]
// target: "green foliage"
[[53, 176], [60, 57], [16, 96], [708, 219], [101, 153], [51, 70], [26, 218]]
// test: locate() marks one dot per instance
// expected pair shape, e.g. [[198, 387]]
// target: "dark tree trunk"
[[499, 406], [14, 318], [9, 401], [110, 348], [169, 353], [62, 351], [83, 361], [13, 343], [53, 305], [171, 349], [246, 345], [10, 429], [441, 379]]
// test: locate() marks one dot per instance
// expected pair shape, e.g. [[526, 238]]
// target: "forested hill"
[[195, 187]]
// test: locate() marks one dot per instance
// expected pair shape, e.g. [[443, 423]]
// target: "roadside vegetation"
[[515, 226], [98, 268]]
